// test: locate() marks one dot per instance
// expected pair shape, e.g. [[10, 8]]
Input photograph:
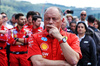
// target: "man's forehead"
[[3, 14], [83, 12], [22, 17], [51, 10]]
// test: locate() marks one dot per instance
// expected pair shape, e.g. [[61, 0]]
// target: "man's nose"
[[51, 21]]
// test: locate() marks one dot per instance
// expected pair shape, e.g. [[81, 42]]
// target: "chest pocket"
[[85, 46]]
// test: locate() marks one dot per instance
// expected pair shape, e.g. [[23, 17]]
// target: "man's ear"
[[63, 20]]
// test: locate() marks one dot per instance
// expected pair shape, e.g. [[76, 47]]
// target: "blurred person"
[[72, 27], [69, 18], [42, 23], [18, 40], [37, 13], [97, 24], [83, 16], [64, 24], [75, 18], [95, 34], [3, 40], [91, 20], [12, 21], [88, 46], [49, 47], [29, 16], [5, 19], [36, 24]]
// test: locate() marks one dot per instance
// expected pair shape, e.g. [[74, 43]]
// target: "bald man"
[[83, 16], [53, 46]]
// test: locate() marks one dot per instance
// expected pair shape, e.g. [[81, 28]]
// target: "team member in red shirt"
[[36, 24], [3, 44], [29, 16], [50, 48], [19, 44]]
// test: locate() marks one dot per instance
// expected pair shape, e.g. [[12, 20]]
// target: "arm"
[[93, 53], [35, 55], [23, 40], [3, 38], [12, 41], [3, 31], [37, 60], [70, 55]]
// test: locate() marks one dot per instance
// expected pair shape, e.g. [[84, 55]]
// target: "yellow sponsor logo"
[[44, 46], [15, 36], [65, 37]]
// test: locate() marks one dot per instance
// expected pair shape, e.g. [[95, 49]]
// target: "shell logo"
[[44, 46], [15, 36]]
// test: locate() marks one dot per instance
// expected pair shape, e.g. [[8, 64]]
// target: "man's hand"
[[19, 43], [54, 32], [3, 31]]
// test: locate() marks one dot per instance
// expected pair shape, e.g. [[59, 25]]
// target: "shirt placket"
[[54, 48]]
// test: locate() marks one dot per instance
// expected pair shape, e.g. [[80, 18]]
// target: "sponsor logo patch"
[[44, 38], [44, 46]]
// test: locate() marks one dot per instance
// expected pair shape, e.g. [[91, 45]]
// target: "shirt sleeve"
[[75, 44], [33, 47], [3, 38], [11, 40], [93, 52]]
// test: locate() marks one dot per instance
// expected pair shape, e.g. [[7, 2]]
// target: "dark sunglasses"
[[83, 14], [4, 16]]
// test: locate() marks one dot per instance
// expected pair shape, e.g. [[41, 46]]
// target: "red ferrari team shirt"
[[49, 48], [3, 37], [3, 40], [28, 26], [16, 33], [39, 29]]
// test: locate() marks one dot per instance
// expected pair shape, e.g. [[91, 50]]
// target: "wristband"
[[16, 39], [62, 41]]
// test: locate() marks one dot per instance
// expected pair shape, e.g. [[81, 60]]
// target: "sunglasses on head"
[[4, 16], [83, 14]]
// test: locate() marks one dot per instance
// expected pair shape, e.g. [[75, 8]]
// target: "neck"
[[34, 26], [82, 19], [20, 27], [81, 35], [90, 24], [30, 23], [4, 23]]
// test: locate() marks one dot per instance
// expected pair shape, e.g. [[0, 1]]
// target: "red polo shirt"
[[39, 29], [3, 41], [28, 26], [49, 48], [16, 33], [3, 37]]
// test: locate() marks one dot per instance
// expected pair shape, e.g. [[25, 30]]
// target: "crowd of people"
[[61, 40]]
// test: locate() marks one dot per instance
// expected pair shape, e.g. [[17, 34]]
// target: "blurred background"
[[23, 6]]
